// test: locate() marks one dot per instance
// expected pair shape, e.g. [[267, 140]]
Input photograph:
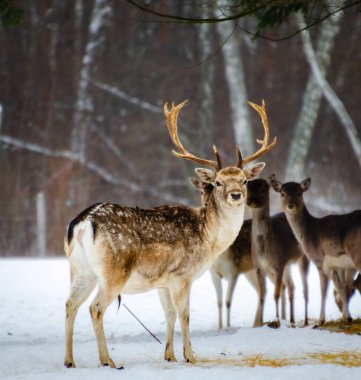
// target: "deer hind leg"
[[105, 296], [357, 283], [180, 294], [304, 265], [336, 293], [349, 281], [217, 282], [230, 290], [287, 277], [171, 316], [338, 277], [261, 282], [81, 287], [324, 288]]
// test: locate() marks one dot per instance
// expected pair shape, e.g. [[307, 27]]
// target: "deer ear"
[[253, 171], [206, 175], [277, 185], [196, 182], [305, 185]]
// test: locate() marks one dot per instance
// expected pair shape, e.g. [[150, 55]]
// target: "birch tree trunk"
[[330, 95], [41, 223], [83, 113], [236, 82], [84, 103], [206, 99], [1, 116], [307, 117]]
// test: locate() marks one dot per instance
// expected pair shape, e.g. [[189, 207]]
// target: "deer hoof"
[[191, 360], [109, 363], [274, 324], [69, 364]]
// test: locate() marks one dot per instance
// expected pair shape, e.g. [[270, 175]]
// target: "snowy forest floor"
[[32, 298]]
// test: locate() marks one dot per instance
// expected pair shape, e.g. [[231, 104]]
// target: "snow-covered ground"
[[32, 297]]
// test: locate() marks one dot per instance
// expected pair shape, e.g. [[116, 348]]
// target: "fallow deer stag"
[[235, 260], [332, 242], [275, 248], [132, 250]]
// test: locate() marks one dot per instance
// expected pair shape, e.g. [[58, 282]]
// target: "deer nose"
[[236, 196], [291, 206]]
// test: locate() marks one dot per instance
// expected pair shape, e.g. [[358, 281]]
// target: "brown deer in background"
[[332, 242], [236, 260], [275, 248], [132, 250]]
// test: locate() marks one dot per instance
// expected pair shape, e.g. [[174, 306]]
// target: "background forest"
[[82, 89]]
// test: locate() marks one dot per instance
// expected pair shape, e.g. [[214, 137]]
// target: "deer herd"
[[130, 250]]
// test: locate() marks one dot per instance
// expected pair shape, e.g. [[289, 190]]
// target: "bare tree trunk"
[[206, 99], [84, 103], [306, 121], [41, 223], [235, 78], [330, 95], [1, 116]]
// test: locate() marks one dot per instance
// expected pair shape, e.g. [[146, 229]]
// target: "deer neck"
[[221, 226], [261, 228], [302, 226], [261, 217]]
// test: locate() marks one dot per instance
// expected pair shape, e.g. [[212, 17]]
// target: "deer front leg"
[[217, 282], [180, 293], [261, 281], [171, 316], [324, 287], [290, 288], [230, 290], [283, 302], [252, 279], [304, 265], [277, 291]]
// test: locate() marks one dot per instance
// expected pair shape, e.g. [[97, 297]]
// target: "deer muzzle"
[[235, 198]]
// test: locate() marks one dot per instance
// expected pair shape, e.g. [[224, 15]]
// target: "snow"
[[32, 297]]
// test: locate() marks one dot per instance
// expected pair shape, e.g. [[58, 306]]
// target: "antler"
[[265, 144], [172, 119]]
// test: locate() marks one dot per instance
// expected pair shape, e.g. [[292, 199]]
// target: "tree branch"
[[197, 20], [248, 12], [91, 166], [123, 95]]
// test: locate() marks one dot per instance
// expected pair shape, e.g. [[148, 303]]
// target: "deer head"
[[229, 183], [258, 193], [291, 193]]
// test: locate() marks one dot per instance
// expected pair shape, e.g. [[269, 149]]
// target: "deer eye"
[[282, 195], [218, 184]]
